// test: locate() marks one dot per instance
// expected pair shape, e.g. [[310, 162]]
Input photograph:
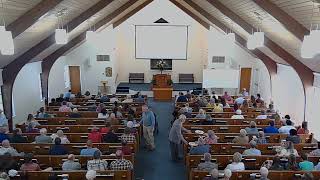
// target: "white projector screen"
[[161, 42], [220, 78]]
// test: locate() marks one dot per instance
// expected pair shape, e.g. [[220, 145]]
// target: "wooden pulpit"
[[162, 87]]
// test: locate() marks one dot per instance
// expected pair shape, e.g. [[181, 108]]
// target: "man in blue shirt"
[[67, 95], [148, 123], [271, 129], [3, 135], [89, 151], [182, 98]]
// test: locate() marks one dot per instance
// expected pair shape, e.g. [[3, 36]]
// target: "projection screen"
[[161, 42], [220, 78]]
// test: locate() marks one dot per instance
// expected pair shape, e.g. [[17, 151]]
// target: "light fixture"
[[258, 39], [61, 36], [6, 39], [8, 45], [251, 42], [310, 47]]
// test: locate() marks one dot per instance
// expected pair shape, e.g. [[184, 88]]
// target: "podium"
[[162, 87]]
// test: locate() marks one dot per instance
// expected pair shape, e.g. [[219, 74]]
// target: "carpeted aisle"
[[157, 165]]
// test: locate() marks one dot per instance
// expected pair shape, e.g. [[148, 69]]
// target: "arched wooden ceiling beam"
[[285, 19], [30, 17], [49, 61], [305, 73], [11, 71], [269, 63]]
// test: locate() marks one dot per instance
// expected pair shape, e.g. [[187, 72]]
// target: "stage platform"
[[147, 86]]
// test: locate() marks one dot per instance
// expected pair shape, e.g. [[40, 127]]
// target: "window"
[[66, 77]]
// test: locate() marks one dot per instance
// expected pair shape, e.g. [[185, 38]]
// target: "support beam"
[[49, 61], [131, 13], [30, 17], [11, 71], [289, 22], [195, 17], [268, 62], [304, 72]]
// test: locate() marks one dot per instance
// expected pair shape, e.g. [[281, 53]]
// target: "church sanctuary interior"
[[160, 89]]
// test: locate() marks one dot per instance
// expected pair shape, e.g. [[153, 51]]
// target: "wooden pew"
[[76, 175], [230, 114], [75, 121], [228, 137], [251, 162], [84, 114], [229, 121], [221, 128], [72, 137], [245, 175], [266, 149], [73, 148], [56, 161]]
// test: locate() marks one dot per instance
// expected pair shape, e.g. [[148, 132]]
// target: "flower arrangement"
[[161, 64]]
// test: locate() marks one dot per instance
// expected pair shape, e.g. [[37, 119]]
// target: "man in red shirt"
[[95, 136]]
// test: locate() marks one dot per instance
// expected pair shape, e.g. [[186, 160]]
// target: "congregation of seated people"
[[10, 165], [286, 157]]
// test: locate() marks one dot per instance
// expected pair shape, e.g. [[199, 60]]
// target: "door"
[[245, 79], [75, 83]]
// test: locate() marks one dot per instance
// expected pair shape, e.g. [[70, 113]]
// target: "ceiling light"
[[250, 42], [61, 36], [307, 48], [7, 45], [258, 39]]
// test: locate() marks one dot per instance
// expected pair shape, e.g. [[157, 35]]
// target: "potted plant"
[[161, 64], [170, 82]]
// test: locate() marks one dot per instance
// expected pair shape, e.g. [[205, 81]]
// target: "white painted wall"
[[92, 72], [197, 47], [261, 82], [312, 110], [26, 92], [288, 93]]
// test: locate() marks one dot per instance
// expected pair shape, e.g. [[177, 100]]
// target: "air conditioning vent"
[[218, 59]]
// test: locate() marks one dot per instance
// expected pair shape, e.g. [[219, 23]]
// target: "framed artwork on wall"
[[103, 57], [108, 71]]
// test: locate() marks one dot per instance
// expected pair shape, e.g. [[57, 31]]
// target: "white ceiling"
[[301, 10]]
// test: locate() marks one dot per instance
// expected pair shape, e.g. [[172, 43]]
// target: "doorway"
[[245, 79], [75, 81]]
